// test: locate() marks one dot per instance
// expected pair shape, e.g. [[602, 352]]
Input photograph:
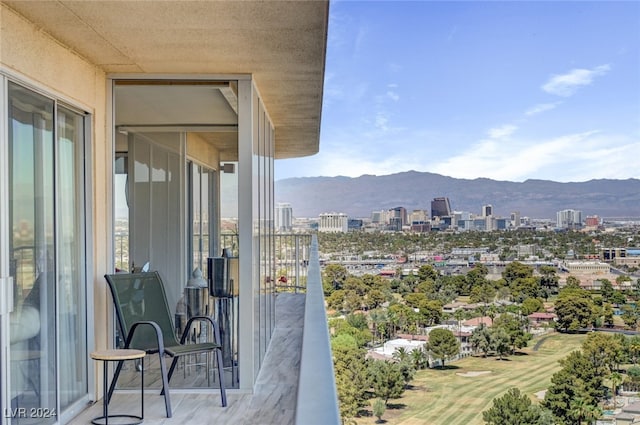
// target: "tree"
[[342, 328], [336, 300], [515, 329], [427, 272], [633, 349], [400, 354], [352, 381], [603, 350], [616, 379], [358, 321], [532, 305], [520, 280], [516, 270], [606, 289], [523, 288], [578, 409], [575, 309], [443, 344], [592, 413], [513, 408], [500, 341], [352, 302], [415, 299], [484, 293], [630, 315], [378, 406], [572, 282], [622, 280], [577, 378], [387, 379], [334, 276], [375, 298], [632, 381], [419, 359], [481, 340], [607, 312], [549, 280], [431, 312]]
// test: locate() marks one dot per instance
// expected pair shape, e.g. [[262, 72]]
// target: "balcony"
[[295, 385]]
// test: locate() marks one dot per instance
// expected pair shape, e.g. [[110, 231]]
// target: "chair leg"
[[165, 384], [115, 379], [223, 392], [174, 363]]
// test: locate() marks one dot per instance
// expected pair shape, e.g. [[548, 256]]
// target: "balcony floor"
[[272, 402]]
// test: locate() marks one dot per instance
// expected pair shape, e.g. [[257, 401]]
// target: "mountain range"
[[359, 196]]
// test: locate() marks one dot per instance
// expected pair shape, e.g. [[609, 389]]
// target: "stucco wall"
[[33, 58]]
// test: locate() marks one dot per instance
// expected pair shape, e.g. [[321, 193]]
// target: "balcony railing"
[[291, 257], [317, 394]]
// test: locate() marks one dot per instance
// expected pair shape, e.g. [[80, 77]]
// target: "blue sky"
[[508, 90]]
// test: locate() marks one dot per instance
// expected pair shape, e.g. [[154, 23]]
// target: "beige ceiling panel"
[[281, 44]]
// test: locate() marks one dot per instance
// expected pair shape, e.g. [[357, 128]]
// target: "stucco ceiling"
[[281, 43]]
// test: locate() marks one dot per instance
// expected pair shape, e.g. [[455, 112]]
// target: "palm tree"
[[578, 408], [401, 355], [459, 315], [592, 413], [419, 358], [492, 312], [616, 379]]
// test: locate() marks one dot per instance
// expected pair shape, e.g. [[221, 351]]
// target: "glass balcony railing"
[[317, 395]]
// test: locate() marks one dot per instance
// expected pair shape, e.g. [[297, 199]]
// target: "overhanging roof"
[[281, 43]]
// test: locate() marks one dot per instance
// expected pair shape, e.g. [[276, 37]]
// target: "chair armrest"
[[216, 329], [154, 325]]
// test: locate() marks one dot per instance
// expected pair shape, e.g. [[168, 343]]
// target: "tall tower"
[[487, 210], [440, 207], [569, 219], [515, 219], [284, 217]]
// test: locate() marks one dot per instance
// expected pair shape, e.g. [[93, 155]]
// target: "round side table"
[[115, 356]]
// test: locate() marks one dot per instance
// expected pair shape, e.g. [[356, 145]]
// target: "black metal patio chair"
[[144, 319]]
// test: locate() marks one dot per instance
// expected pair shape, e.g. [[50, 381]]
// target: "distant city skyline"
[[504, 90]]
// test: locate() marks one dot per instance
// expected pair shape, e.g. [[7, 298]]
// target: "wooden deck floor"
[[273, 401]]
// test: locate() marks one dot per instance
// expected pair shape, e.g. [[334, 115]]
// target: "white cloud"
[[502, 132], [572, 157], [393, 95], [541, 107], [566, 85], [381, 121]]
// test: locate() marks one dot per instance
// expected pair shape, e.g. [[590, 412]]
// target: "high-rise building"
[[418, 216], [569, 219], [487, 210], [284, 217], [376, 217], [398, 216], [515, 219], [440, 207]]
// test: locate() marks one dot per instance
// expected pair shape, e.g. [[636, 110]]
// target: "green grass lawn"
[[457, 395]]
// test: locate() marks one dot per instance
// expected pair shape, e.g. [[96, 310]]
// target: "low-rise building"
[[333, 223]]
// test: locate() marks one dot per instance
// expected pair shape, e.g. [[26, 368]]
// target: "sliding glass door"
[[202, 216], [46, 337]]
